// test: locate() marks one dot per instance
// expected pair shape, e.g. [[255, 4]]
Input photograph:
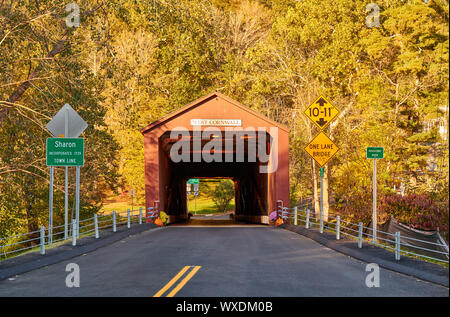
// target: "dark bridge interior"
[[250, 184]]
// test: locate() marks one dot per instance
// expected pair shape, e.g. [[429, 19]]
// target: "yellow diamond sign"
[[321, 149], [321, 112]]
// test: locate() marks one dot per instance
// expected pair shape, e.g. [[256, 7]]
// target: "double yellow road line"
[[175, 279]]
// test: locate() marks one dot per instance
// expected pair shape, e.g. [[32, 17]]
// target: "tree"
[[41, 69], [222, 194]]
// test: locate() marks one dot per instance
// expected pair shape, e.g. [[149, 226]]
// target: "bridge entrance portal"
[[216, 137]]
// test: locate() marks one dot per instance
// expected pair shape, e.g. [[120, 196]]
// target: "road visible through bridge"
[[230, 261]]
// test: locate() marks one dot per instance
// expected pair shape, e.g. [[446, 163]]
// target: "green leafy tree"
[[42, 68], [222, 194]]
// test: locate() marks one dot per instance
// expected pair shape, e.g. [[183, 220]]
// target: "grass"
[[205, 205], [108, 208]]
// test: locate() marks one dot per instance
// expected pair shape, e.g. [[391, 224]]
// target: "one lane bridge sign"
[[321, 112], [65, 151], [321, 149]]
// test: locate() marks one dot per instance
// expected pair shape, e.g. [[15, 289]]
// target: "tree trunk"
[[29, 197], [325, 193], [315, 190]]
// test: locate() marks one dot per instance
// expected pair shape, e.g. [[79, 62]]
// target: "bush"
[[357, 209], [222, 194], [419, 211]]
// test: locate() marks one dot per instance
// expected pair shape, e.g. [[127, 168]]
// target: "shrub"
[[222, 194], [420, 211], [357, 209]]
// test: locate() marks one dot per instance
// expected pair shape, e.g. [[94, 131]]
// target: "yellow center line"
[[171, 282], [184, 281]]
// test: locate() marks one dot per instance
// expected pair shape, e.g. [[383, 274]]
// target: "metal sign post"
[[188, 193], [195, 195], [66, 124], [77, 200], [321, 148], [374, 153], [321, 200], [66, 203], [66, 180], [65, 152], [195, 210], [50, 207], [374, 212]]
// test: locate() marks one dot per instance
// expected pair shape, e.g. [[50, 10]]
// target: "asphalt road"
[[216, 261]]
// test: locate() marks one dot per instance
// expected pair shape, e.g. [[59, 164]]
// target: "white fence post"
[[321, 223], [338, 227], [307, 219], [360, 230], [140, 215], [295, 215], [96, 226], [74, 232], [42, 240], [128, 218], [397, 245], [114, 221]]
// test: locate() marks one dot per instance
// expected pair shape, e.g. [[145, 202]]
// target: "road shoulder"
[[372, 254], [34, 260]]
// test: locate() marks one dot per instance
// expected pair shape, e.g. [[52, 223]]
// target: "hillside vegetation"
[[128, 63]]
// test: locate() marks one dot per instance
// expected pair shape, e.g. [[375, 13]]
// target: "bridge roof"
[[203, 100]]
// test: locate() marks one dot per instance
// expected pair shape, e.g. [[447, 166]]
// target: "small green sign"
[[375, 153], [321, 172], [192, 181], [65, 152]]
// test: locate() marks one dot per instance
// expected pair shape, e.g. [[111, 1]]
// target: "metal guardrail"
[[394, 242], [90, 226], [299, 213]]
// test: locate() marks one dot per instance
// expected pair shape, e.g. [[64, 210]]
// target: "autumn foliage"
[[419, 211]]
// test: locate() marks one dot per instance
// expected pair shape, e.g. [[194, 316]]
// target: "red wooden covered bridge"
[[217, 137]]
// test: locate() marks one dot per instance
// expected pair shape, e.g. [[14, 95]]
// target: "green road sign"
[[192, 181], [65, 152], [375, 153]]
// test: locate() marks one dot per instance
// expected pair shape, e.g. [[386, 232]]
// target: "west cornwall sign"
[[217, 122]]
